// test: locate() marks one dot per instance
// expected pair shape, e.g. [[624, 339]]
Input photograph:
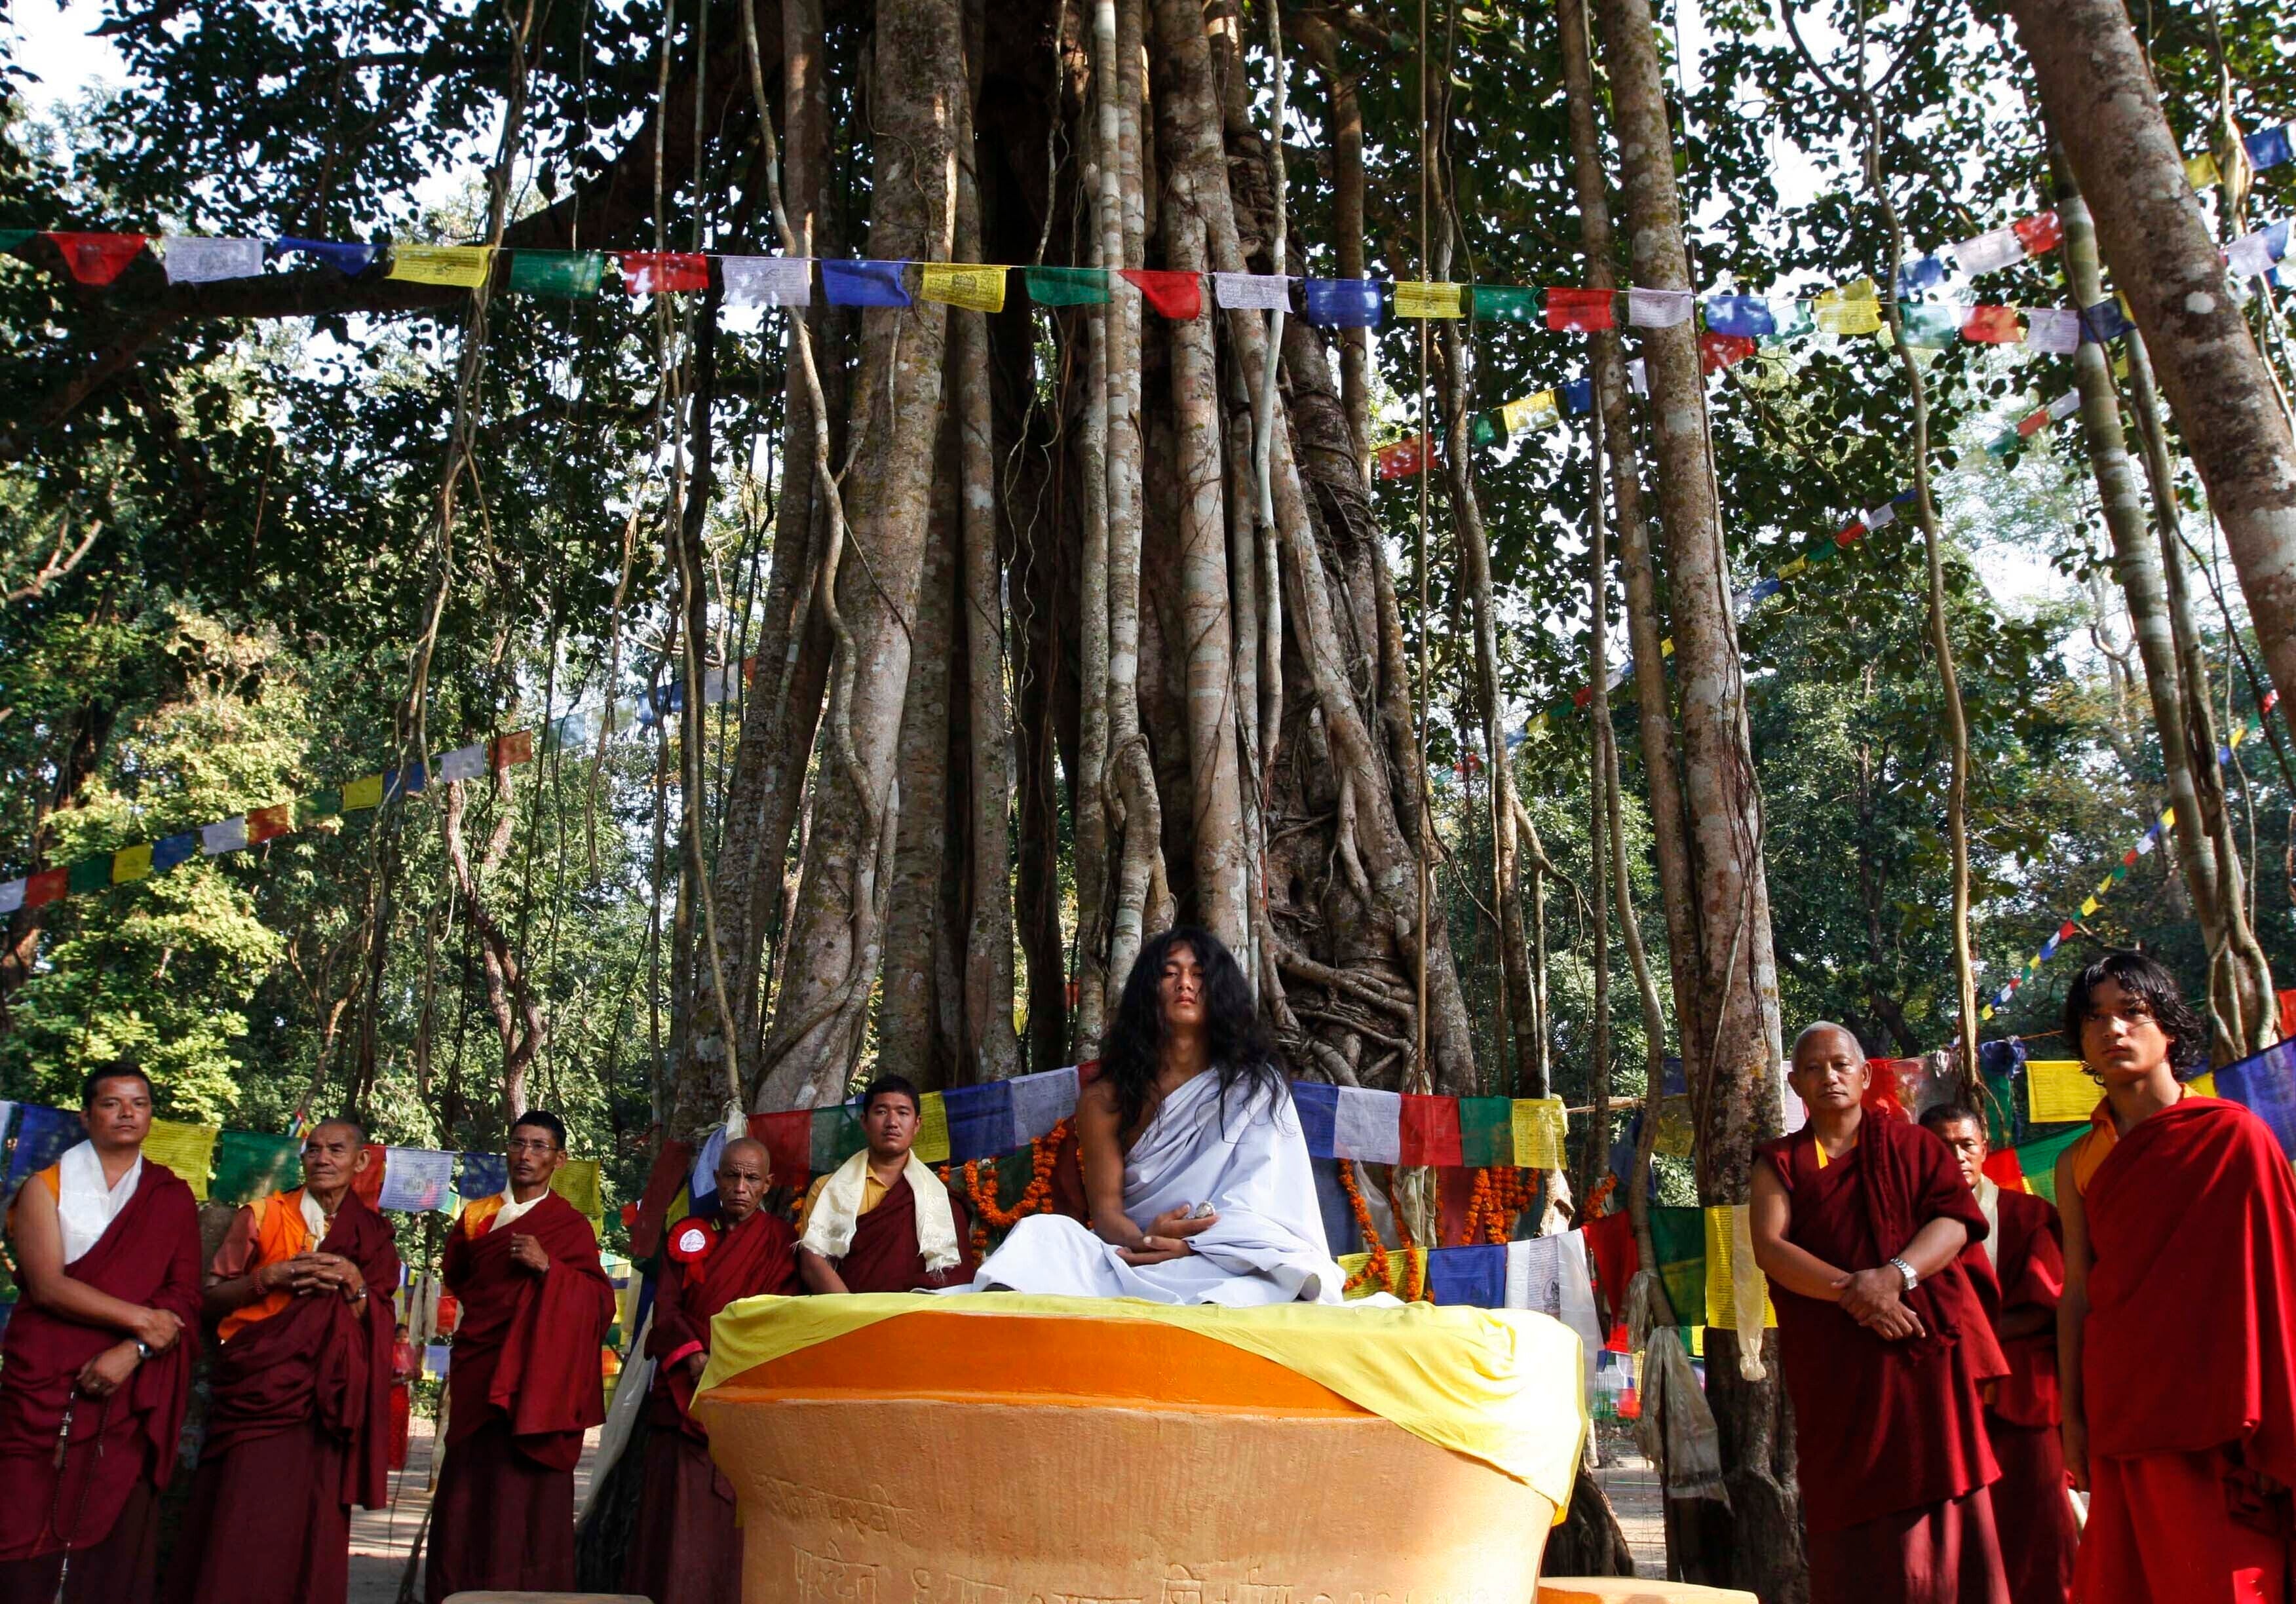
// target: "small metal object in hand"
[[1202, 1211]]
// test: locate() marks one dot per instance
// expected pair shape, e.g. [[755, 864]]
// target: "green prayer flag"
[[1486, 1131], [1515, 303], [557, 271], [1067, 286], [318, 804], [1932, 325], [1486, 431], [90, 874], [836, 1137], [2001, 1104], [16, 239], [1678, 1236], [249, 1165], [2038, 1160]]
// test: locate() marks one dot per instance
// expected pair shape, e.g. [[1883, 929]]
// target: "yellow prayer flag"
[[1666, 647], [1678, 1135], [2201, 170], [1721, 1270], [963, 284], [2088, 906], [1793, 568], [1851, 309], [362, 794], [188, 1150], [131, 863], [931, 1145], [2167, 818], [1423, 298], [465, 266], [1530, 411], [2058, 1092], [576, 1181], [1539, 1133]]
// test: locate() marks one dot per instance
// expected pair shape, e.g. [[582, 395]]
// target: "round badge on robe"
[[691, 1240]]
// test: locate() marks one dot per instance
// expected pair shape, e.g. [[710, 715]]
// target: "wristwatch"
[[143, 1350], [1906, 1270]]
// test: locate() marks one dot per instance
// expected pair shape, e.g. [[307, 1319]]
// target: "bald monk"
[[2174, 1345], [523, 1383], [882, 1222], [300, 1427], [96, 1365], [2030, 1509], [1861, 1221], [686, 1549]]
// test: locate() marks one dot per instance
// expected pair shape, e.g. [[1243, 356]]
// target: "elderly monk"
[[686, 1549], [2031, 1511], [96, 1366], [300, 1427], [523, 1383], [1861, 1223], [882, 1222], [2173, 1336]]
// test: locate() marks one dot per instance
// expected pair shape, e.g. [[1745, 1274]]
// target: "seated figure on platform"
[[1195, 1167], [882, 1222]]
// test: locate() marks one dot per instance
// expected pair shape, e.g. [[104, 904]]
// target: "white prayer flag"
[[2249, 255], [463, 762], [195, 260], [1367, 1124], [1638, 377], [717, 687], [1253, 292], [2053, 329], [2065, 405], [1658, 308], [1041, 1101], [415, 1179], [1996, 248], [2146, 842], [1881, 517], [766, 280], [227, 835], [12, 897]]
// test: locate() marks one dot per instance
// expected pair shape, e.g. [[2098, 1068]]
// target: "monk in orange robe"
[[299, 1428], [95, 1368], [2173, 1338], [881, 1222], [684, 1548], [1862, 1225], [2031, 1510], [524, 1382]]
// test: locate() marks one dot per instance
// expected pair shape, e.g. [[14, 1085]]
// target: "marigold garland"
[[1374, 1267], [1499, 1196], [1601, 1195], [980, 1182]]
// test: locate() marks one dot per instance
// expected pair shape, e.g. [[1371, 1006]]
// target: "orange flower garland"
[[1374, 1268], [1500, 1196], [981, 1181]]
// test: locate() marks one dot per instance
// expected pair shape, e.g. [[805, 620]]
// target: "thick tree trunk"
[[2099, 101], [1737, 1098], [1089, 786], [1346, 133]]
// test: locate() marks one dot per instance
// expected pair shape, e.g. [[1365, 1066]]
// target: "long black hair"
[[1237, 1044], [2145, 976]]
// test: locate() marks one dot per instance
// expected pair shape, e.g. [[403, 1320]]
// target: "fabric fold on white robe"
[[1249, 1160]]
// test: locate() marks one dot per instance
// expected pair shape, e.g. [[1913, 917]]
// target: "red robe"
[[299, 1426], [884, 1256], [2031, 1509], [1890, 1436], [684, 1547], [523, 1383], [2188, 1372], [104, 1511]]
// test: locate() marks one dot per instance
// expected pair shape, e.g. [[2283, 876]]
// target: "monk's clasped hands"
[[1874, 1299]]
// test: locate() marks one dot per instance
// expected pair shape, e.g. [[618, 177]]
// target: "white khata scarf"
[[85, 1203], [836, 1212]]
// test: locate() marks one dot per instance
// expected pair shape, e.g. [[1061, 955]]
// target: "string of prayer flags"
[[1419, 298], [2201, 171], [766, 280], [1401, 459], [655, 272], [1344, 303], [1263, 292], [459, 267], [2056, 412], [966, 284], [1995, 249], [348, 257], [2252, 255], [97, 259], [836, 1136], [564, 273], [195, 259], [1580, 311], [1851, 309], [864, 283], [1179, 296], [1923, 273]]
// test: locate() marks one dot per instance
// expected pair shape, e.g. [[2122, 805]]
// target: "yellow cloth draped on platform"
[[1500, 1385]]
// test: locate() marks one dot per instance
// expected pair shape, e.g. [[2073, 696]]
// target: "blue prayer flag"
[[2000, 1058], [483, 1175], [2102, 321], [864, 283], [1672, 1081], [2266, 1086], [414, 779], [1921, 274], [1318, 1106], [2269, 147], [1747, 316], [1579, 396], [40, 1140], [1473, 1276], [345, 256], [980, 1120], [168, 851], [1345, 303]]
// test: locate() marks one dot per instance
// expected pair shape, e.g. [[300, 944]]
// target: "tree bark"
[[1347, 133]]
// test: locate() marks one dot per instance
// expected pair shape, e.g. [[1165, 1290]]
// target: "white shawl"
[[86, 1205], [836, 1212]]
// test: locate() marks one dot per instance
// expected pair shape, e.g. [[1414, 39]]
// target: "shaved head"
[[1824, 1028], [748, 1147], [344, 1122], [745, 1170]]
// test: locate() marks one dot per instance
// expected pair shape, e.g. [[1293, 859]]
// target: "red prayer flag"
[[97, 259], [1849, 533], [1719, 351], [650, 271], [1428, 1130], [511, 749], [264, 822], [2040, 233], [1993, 325], [2003, 1169], [47, 887], [1401, 459], [1581, 311], [788, 1138], [2288, 1013], [663, 1183], [2034, 422], [1179, 296], [2065, 930], [366, 1184]]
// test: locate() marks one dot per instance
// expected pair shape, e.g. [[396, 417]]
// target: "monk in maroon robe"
[[97, 1360], [299, 1428], [2173, 1335], [524, 1382], [886, 1252], [684, 1548], [2031, 1509], [1862, 1223]]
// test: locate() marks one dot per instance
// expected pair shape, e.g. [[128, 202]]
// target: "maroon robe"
[[1890, 1436], [2031, 1509], [684, 1547], [2190, 1376], [884, 1255], [523, 1383], [100, 1509], [300, 1430]]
